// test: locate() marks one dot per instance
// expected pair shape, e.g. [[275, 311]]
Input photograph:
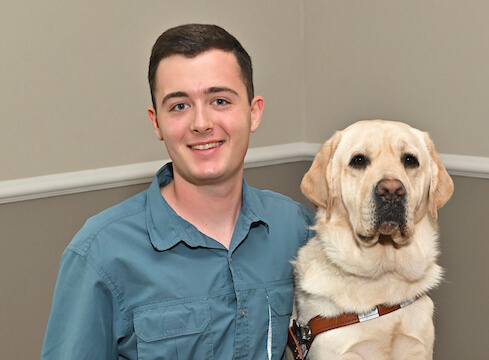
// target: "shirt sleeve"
[[83, 314], [310, 222]]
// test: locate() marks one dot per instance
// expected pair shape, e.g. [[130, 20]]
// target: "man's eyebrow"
[[173, 95], [218, 89]]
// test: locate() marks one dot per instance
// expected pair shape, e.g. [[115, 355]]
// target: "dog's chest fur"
[[333, 277]]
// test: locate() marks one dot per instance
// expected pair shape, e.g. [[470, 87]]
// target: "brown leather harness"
[[301, 336]]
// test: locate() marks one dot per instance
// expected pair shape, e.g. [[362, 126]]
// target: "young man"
[[197, 266]]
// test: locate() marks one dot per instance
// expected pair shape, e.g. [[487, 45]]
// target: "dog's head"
[[381, 176]]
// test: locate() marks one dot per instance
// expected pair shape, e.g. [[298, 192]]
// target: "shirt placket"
[[241, 340]]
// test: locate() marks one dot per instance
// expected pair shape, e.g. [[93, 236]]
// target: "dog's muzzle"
[[390, 205]]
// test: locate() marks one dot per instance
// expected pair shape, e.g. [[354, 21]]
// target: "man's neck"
[[213, 209]]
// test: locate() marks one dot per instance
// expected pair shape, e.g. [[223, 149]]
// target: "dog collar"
[[301, 336]]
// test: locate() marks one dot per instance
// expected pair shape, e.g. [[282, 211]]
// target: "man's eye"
[[220, 102], [179, 107]]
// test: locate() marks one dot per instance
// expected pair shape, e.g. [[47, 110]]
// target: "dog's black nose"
[[390, 190]]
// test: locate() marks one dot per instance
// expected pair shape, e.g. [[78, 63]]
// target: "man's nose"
[[201, 123]]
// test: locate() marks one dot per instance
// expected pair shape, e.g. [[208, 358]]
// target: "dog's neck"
[[407, 271]]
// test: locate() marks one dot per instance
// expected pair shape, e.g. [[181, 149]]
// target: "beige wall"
[[461, 300], [73, 77], [422, 62], [74, 97]]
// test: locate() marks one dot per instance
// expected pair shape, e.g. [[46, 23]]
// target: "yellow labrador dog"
[[377, 185]]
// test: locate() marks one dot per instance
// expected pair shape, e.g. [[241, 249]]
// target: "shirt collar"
[[166, 228]]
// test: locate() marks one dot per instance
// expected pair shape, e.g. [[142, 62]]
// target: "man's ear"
[[257, 105], [154, 120]]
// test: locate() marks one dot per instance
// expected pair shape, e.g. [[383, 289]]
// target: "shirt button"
[[242, 312]]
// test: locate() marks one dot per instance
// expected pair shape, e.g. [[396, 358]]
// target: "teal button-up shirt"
[[140, 282]]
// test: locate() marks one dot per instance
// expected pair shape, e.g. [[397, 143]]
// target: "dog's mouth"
[[389, 222], [390, 215], [389, 228], [387, 233]]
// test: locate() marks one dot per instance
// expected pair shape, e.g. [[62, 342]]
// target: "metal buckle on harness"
[[302, 335]]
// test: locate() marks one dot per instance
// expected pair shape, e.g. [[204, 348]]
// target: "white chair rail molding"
[[117, 176]]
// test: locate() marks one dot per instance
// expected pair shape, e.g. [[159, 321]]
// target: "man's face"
[[203, 115]]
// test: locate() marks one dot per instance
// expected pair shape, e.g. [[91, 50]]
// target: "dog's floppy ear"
[[441, 184], [317, 184]]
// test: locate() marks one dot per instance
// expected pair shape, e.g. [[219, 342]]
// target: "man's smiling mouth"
[[206, 146]]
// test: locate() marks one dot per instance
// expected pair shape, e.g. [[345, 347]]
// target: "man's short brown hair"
[[191, 40]]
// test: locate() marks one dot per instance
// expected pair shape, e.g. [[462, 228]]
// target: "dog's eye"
[[410, 161], [359, 161]]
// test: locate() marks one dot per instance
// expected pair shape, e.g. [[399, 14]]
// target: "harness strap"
[[301, 336]]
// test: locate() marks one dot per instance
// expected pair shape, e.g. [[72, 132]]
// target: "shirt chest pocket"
[[180, 331]]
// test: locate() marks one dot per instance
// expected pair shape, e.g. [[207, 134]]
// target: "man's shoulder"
[[274, 197], [115, 213], [120, 215], [281, 203]]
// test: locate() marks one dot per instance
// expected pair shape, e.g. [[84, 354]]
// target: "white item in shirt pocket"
[[281, 302]]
